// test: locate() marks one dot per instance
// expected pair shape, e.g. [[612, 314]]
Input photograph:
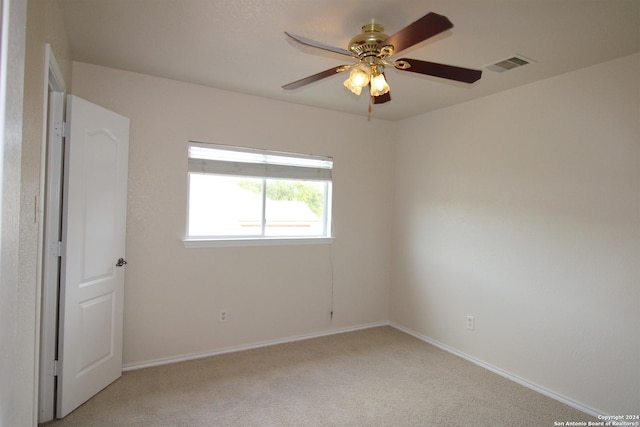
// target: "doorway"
[[82, 244], [50, 228]]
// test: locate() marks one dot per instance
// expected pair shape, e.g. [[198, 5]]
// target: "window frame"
[[262, 165]]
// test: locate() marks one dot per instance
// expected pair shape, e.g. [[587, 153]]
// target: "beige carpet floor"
[[374, 377]]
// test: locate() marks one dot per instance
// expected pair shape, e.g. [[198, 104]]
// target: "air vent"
[[509, 64]]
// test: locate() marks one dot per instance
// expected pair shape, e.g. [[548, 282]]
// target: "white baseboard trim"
[[542, 390], [233, 349]]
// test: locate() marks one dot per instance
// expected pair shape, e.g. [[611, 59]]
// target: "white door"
[[92, 279]]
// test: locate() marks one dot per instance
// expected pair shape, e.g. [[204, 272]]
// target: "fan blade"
[[451, 72], [382, 98], [425, 27], [314, 78], [308, 42]]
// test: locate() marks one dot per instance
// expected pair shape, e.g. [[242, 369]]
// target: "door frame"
[[49, 229]]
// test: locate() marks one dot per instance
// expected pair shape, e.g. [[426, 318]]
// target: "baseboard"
[[535, 387], [233, 349]]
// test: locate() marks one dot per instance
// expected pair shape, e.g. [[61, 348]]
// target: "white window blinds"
[[236, 161]]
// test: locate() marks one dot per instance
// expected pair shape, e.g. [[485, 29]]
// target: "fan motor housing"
[[366, 43]]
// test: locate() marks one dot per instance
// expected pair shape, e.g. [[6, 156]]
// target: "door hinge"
[[59, 249], [56, 368], [61, 129]]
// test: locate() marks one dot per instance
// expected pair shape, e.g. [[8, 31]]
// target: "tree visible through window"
[[312, 194]]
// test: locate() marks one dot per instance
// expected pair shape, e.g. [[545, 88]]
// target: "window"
[[243, 194]]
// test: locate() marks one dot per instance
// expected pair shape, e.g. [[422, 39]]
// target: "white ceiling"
[[240, 45]]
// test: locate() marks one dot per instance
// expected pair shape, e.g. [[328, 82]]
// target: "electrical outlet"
[[471, 322], [224, 315]]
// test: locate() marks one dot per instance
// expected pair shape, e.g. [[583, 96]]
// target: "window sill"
[[265, 241]]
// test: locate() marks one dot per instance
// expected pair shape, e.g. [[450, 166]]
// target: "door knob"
[[121, 262]]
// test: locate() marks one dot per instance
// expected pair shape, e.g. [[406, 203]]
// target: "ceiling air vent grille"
[[508, 64]]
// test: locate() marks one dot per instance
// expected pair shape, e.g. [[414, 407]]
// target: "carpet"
[[373, 377]]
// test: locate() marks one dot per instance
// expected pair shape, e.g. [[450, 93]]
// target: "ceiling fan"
[[372, 50]]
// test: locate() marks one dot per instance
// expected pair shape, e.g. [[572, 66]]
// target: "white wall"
[[30, 28], [173, 295], [44, 25], [22, 143], [523, 210], [16, 350]]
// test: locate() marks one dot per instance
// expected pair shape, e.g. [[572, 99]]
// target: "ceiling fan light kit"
[[358, 79], [372, 48], [379, 85]]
